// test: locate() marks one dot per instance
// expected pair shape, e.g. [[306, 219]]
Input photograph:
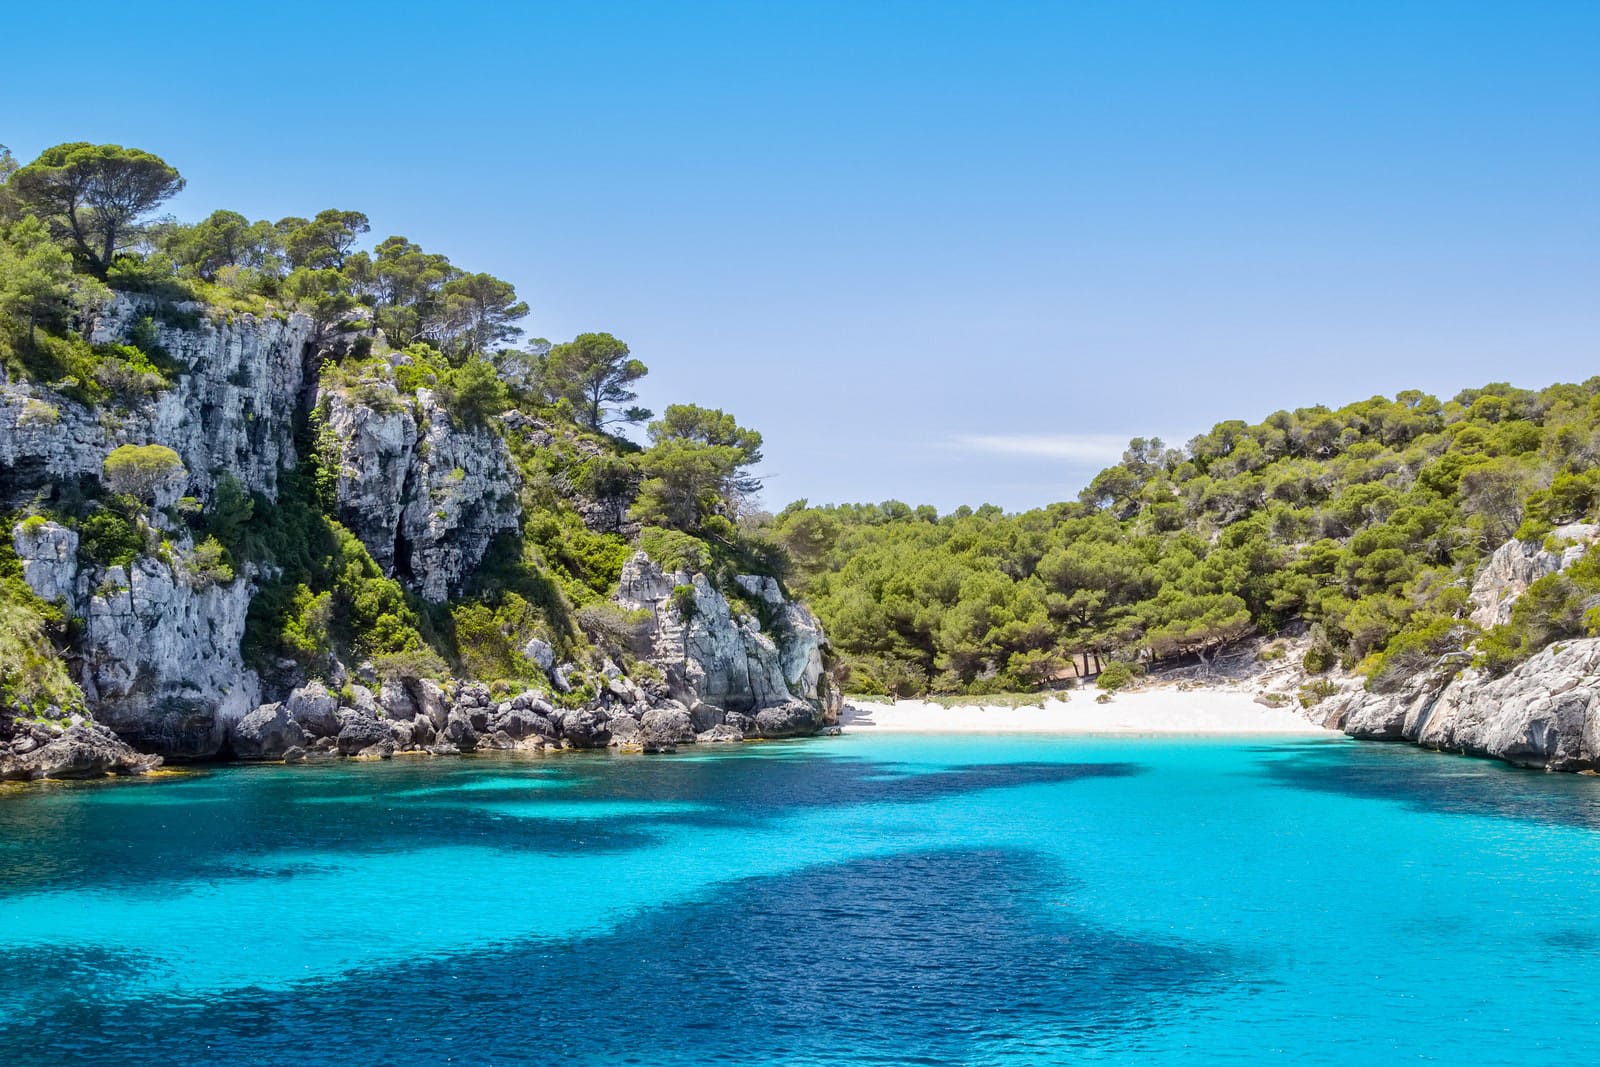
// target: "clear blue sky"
[[941, 252]]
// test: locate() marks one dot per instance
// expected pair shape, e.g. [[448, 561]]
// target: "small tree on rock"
[[138, 470], [594, 371]]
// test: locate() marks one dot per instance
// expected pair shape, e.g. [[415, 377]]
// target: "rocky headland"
[[157, 645], [1544, 713]]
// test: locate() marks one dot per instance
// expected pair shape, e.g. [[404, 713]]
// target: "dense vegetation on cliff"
[[394, 329], [1366, 522]]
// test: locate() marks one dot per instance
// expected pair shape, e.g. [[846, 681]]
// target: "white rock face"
[[1516, 565], [424, 494], [231, 412], [49, 555], [162, 657], [716, 663], [1541, 714], [161, 663], [377, 451]]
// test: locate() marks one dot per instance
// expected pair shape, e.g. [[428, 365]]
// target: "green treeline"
[[1367, 522]]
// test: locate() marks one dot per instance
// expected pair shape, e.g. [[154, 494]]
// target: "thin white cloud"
[[1080, 447]]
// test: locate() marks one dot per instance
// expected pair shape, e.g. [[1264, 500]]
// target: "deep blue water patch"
[[1437, 782], [905, 959], [150, 836]]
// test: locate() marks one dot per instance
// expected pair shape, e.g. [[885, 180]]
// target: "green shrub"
[[605, 622], [136, 470], [605, 476], [145, 335], [305, 632], [474, 392], [1319, 659], [38, 413], [208, 564], [1550, 609], [683, 601], [410, 666], [380, 398], [33, 674], [1426, 641], [487, 641], [107, 538], [127, 375], [673, 550], [1115, 675], [587, 563], [1316, 691]]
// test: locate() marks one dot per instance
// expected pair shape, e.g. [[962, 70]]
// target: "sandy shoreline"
[[1155, 711]]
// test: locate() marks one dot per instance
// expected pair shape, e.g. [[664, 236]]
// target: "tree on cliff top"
[[324, 242], [594, 371], [94, 194], [481, 311], [8, 168], [696, 468]]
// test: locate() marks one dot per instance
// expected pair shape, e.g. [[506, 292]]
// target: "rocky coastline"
[[1543, 714], [698, 658]]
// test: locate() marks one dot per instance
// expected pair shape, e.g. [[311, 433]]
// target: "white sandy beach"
[[1151, 711]]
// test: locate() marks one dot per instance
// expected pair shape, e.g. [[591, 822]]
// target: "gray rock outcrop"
[[231, 411], [1544, 713], [314, 708], [423, 493], [716, 663], [161, 663], [1516, 565], [266, 733], [75, 748]]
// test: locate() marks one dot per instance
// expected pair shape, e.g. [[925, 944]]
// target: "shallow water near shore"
[[859, 900]]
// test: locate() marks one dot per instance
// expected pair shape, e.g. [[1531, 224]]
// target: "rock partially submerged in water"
[[358, 732], [793, 719], [266, 733], [664, 729], [1544, 714], [78, 748]]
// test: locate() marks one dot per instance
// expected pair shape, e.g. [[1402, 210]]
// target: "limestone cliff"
[[424, 494], [767, 680], [1545, 713], [158, 658], [157, 653], [156, 646], [232, 410]]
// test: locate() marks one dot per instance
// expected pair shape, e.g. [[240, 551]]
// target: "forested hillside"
[[1366, 523]]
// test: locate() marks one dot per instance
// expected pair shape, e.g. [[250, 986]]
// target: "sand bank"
[[1147, 711]]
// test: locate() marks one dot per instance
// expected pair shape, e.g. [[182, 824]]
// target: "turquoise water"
[[860, 900]]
